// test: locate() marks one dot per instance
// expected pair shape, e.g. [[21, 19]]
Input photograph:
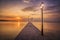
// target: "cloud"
[[29, 9], [53, 8], [54, 5]]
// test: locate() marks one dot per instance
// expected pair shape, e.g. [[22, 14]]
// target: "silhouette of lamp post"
[[29, 19], [42, 6]]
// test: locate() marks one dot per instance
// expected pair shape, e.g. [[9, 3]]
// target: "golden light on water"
[[18, 23], [18, 19]]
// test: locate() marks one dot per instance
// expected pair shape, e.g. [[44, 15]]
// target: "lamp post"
[[42, 5], [29, 19]]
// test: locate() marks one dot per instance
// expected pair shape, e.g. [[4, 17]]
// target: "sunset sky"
[[22, 8]]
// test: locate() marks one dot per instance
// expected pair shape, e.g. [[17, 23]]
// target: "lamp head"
[[42, 5]]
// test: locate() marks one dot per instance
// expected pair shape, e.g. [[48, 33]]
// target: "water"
[[9, 30], [51, 30]]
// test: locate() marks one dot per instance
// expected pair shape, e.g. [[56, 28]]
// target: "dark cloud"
[[29, 9], [53, 6], [53, 1], [9, 1]]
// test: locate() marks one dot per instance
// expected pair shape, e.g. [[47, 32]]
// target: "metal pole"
[[42, 21]]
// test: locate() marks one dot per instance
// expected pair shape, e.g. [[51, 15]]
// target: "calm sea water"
[[9, 30]]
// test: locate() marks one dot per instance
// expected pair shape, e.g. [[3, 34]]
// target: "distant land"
[[25, 19]]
